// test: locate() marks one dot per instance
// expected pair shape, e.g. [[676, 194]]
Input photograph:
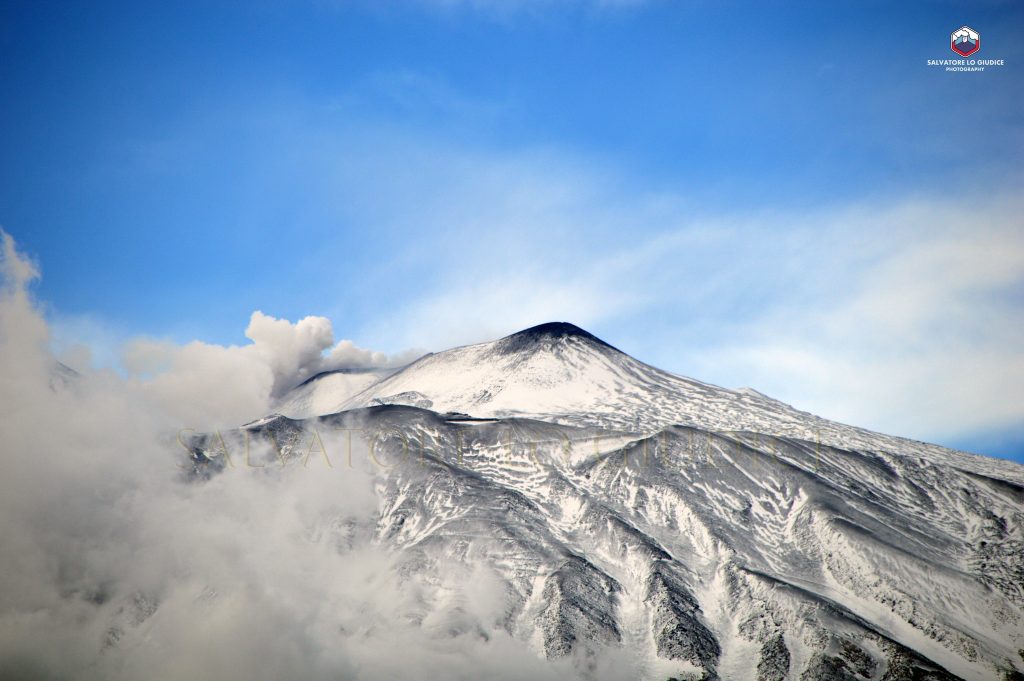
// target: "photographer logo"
[[965, 41]]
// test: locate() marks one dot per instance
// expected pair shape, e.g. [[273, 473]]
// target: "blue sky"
[[780, 195]]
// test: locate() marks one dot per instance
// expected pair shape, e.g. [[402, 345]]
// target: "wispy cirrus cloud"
[[896, 313], [920, 339]]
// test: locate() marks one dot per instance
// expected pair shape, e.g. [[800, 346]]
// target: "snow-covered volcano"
[[560, 373], [705, 532]]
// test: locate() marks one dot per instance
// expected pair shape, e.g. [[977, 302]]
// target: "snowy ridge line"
[[575, 444], [579, 442]]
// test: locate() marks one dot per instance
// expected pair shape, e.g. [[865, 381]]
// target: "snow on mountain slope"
[[561, 373], [714, 555], [700, 532], [325, 393]]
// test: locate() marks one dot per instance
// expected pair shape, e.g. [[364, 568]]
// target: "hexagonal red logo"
[[965, 41]]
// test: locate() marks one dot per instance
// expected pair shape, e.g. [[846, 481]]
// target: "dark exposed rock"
[[827, 668], [579, 608], [774, 662], [904, 665], [679, 633]]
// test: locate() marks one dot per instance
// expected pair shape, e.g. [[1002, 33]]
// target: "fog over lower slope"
[[542, 506], [114, 565]]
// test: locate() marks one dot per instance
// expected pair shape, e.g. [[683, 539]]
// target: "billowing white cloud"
[[292, 351], [202, 385], [114, 566], [211, 386], [22, 331], [348, 354]]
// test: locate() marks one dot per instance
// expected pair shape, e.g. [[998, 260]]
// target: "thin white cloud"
[[921, 338]]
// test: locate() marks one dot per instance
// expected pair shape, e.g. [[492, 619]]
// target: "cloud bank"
[[114, 566]]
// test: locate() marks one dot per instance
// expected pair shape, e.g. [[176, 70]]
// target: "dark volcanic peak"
[[343, 370], [545, 333]]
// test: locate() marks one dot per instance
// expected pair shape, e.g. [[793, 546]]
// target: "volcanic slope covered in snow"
[[703, 532], [560, 373], [327, 393]]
